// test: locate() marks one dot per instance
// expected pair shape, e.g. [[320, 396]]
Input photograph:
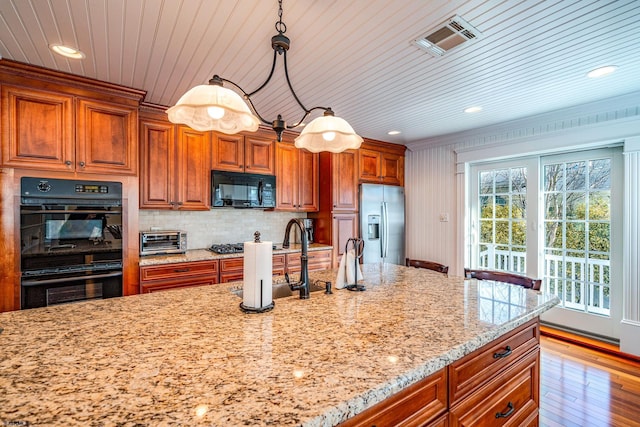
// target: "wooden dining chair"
[[440, 268], [503, 276]]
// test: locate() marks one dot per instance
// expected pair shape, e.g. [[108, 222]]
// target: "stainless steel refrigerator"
[[382, 223]]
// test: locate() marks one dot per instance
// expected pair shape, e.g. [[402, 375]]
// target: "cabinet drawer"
[[416, 405], [510, 399], [317, 260], [231, 264], [470, 372], [179, 270], [279, 261], [148, 287]]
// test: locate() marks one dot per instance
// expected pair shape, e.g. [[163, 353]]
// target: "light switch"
[[444, 217]]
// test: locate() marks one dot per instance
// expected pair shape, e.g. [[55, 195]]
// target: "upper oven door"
[[69, 229], [69, 217]]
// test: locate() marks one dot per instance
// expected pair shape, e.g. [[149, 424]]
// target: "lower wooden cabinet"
[[317, 260], [508, 399], [416, 405], [496, 385], [231, 269], [179, 275]]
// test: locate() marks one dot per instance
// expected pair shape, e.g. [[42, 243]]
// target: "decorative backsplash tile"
[[205, 228]]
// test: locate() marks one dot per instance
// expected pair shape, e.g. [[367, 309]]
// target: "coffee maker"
[[308, 228]]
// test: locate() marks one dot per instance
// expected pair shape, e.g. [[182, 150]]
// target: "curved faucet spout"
[[303, 284]]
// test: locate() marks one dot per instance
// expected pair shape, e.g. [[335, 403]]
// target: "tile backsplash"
[[205, 228]]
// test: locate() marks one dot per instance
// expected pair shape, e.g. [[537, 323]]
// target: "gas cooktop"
[[229, 248]]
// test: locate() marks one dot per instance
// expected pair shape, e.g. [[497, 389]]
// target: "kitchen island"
[[191, 357]]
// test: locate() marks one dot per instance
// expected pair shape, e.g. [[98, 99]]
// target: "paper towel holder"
[[358, 250], [268, 307]]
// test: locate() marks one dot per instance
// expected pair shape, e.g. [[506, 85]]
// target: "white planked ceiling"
[[354, 56]]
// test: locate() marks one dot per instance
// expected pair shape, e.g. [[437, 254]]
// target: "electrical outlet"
[[444, 217]]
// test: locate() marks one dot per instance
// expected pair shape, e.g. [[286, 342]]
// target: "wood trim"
[[583, 341]]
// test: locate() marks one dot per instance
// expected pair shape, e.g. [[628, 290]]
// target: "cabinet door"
[[157, 163], [227, 152], [369, 165], [106, 140], [37, 129], [194, 169], [392, 169], [345, 181], [345, 226], [307, 181], [259, 155], [286, 177]]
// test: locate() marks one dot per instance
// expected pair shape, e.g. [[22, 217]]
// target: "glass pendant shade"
[[213, 107], [328, 133]]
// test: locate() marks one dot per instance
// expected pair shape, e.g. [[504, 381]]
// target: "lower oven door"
[[47, 291]]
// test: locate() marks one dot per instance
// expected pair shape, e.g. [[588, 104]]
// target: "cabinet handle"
[[510, 410], [181, 270], [81, 164], [505, 353], [68, 163]]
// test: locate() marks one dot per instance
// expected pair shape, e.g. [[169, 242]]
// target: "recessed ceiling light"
[[67, 51], [473, 109], [602, 71], [394, 132]]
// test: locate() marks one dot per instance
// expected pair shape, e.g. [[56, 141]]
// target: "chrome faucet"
[[303, 284]]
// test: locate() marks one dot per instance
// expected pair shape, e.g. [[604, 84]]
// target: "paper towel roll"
[[258, 260]]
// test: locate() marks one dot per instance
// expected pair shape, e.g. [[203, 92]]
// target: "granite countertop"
[[206, 255], [191, 357]]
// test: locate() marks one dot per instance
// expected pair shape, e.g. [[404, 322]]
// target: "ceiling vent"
[[447, 36]]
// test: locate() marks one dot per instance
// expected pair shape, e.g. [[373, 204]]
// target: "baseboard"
[[588, 342]]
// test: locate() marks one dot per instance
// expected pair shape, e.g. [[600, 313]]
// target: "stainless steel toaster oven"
[[163, 242]]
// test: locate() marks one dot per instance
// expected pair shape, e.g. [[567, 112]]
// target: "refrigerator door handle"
[[385, 230]]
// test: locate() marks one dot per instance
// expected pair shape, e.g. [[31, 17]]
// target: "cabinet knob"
[[81, 164], [68, 163]]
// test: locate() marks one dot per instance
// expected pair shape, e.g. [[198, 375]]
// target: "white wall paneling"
[[630, 326]]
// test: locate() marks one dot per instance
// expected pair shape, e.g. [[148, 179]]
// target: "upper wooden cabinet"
[[297, 179], [61, 122], [40, 133], [381, 167], [251, 153], [174, 165], [344, 181]]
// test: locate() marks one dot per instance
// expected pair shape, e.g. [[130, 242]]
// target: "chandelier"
[[215, 107]]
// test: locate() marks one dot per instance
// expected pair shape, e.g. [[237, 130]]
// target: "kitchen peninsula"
[[191, 357]]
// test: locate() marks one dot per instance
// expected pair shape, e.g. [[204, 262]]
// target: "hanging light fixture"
[[215, 107]]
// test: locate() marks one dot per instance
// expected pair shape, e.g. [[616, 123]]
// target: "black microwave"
[[242, 190]]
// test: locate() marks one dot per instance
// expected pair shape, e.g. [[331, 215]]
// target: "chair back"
[[440, 268], [503, 276]]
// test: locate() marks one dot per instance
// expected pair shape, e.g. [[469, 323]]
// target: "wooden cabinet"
[[316, 260], [297, 179], [344, 227], [231, 269], [381, 167], [64, 132], [495, 385], [416, 405], [175, 170], [179, 275], [251, 153], [510, 398], [337, 218]]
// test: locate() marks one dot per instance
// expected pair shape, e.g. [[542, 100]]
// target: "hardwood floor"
[[581, 386]]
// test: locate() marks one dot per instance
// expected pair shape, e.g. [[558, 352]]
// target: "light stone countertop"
[[207, 255], [191, 357]]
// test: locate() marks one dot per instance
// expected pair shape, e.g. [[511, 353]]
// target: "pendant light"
[[215, 107]]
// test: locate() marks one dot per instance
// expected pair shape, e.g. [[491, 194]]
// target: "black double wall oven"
[[71, 241]]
